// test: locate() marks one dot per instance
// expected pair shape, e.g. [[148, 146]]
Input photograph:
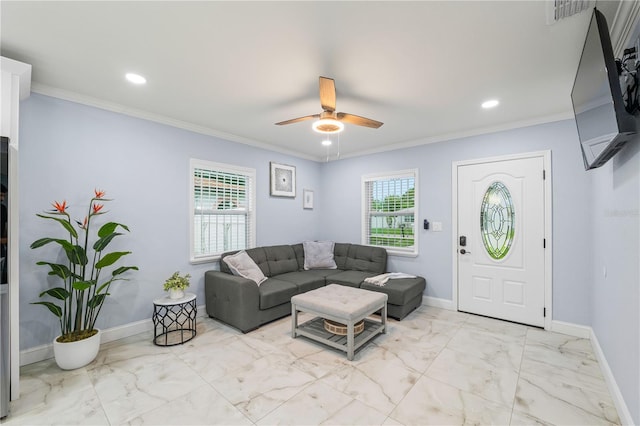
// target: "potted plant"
[[77, 302], [176, 284]]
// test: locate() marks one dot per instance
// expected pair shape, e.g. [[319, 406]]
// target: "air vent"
[[560, 9]]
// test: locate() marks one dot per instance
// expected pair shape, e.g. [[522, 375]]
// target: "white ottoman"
[[342, 304]]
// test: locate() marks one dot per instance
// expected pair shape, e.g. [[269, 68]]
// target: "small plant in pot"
[[176, 285], [77, 302]]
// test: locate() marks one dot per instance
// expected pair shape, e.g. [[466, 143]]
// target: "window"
[[497, 220], [389, 205], [222, 215]]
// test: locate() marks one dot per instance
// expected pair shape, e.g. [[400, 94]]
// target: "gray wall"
[[615, 268], [341, 217], [67, 150]]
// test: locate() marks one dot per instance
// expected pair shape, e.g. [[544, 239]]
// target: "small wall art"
[[283, 180], [307, 199]]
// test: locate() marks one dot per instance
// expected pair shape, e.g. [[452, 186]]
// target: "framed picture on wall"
[[307, 199], [283, 180]]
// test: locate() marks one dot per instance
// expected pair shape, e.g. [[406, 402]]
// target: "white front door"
[[501, 239]]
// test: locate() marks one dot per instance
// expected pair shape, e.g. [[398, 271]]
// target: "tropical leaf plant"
[[78, 301]]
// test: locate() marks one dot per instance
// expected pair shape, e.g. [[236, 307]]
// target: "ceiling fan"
[[331, 121]]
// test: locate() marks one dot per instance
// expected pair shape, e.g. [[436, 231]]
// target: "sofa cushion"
[[303, 279], [318, 255], [274, 292], [366, 259], [257, 254], [340, 253], [298, 249], [242, 264], [281, 259], [400, 291], [349, 278], [223, 266], [324, 273]]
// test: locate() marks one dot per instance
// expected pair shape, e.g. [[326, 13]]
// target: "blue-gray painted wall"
[[615, 249], [571, 192], [67, 150]]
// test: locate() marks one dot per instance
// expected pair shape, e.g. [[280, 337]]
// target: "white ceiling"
[[233, 69]]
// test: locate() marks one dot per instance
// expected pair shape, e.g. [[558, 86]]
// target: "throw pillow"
[[242, 264], [318, 255]]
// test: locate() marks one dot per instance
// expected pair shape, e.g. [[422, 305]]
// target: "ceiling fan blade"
[[359, 121], [327, 94], [296, 120]]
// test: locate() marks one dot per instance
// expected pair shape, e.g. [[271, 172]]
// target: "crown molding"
[[122, 109], [623, 25], [67, 95], [20, 69], [466, 134]]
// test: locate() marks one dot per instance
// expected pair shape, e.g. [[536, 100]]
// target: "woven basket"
[[341, 329]]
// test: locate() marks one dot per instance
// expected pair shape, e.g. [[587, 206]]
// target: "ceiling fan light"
[[327, 125]]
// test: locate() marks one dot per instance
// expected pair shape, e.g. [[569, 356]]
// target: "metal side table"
[[174, 320]]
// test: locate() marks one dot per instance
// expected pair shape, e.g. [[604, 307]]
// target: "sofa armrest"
[[232, 299]]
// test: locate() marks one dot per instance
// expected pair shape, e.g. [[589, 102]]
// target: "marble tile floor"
[[435, 367]]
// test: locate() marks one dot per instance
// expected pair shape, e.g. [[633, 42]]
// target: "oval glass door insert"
[[497, 220]]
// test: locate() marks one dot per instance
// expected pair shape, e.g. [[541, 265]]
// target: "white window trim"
[[251, 216], [392, 251]]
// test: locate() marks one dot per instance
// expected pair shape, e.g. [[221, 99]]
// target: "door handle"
[[463, 251]]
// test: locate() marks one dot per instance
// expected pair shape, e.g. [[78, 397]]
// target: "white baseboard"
[[35, 354], [436, 302], [586, 332], [575, 330], [614, 390], [42, 352]]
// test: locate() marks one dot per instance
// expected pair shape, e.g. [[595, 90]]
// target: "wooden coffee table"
[[344, 305]]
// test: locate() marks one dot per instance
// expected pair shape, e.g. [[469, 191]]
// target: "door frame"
[[548, 257]]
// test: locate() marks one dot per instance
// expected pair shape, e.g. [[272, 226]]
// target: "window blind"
[[389, 211], [223, 218]]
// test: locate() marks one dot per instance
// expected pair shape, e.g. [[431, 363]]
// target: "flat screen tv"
[[604, 125]]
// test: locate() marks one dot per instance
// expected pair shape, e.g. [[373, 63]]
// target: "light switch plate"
[[436, 226]]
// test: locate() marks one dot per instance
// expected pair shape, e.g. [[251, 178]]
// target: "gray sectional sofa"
[[241, 303]]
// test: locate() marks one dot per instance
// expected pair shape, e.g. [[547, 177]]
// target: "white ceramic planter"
[[70, 356], [176, 293]]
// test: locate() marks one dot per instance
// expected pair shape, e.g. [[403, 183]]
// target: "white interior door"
[[500, 244]]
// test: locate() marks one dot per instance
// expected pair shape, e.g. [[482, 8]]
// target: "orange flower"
[[97, 208], [83, 225], [99, 193], [60, 207]]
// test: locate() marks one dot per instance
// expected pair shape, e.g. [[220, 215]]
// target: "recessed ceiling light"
[[490, 103], [326, 142], [135, 78]]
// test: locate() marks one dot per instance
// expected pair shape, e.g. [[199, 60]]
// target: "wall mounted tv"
[[604, 125]]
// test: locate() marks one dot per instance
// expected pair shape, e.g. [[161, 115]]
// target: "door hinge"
[[544, 312], [544, 243], [544, 174]]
